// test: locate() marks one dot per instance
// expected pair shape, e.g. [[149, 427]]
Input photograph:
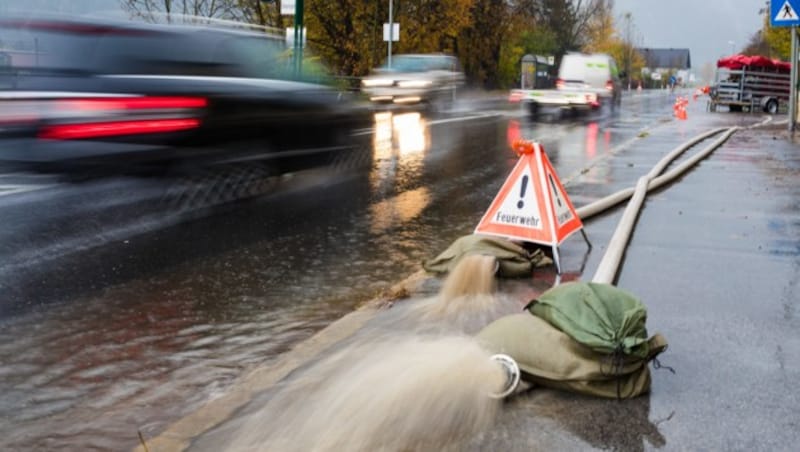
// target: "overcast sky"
[[705, 27]]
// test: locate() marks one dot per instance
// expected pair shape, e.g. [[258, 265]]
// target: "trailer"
[[536, 100], [751, 83]]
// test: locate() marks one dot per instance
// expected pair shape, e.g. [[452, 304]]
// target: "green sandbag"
[[514, 260], [602, 317], [550, 358]]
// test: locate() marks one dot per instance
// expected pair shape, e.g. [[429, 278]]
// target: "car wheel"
[[195, 189], [441, 102], [352, 153], [533, 109], [352, 158], [771, 107]]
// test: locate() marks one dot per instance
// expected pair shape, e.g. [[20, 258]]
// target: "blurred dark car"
[[102, 95]]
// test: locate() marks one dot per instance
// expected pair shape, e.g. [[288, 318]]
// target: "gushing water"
[[416, 389], [473, 275], [466, 302], [405, 395]]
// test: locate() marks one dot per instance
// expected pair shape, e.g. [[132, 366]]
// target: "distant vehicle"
[[99, 95], [751, 83], [415, 78], [596, 73], [585, 83]]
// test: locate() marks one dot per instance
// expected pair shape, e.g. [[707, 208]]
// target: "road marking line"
[[6, 190]]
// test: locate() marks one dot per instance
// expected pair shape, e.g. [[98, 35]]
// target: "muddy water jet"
[[466, 301], [408, 394], [473, 275]]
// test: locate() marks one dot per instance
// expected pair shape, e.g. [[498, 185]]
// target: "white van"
[[597, 73]]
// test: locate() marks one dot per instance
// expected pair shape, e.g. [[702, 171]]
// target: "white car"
[[415, 78]]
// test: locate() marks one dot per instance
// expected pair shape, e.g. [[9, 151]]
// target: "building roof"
[[666, 58]]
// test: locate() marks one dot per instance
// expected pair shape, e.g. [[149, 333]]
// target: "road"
[[125, 310]]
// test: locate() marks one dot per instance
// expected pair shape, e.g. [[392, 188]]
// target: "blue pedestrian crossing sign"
[[783, 13]]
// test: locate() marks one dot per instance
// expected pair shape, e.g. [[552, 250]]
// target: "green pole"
[[298, 38]]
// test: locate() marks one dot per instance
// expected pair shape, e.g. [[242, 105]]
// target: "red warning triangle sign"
[[532, 205]]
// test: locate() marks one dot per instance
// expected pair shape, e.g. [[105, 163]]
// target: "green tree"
[[266, 13], [568, 20], [779, 41], [601, 33], [431, 25], [757, 45], [772, 42], [534, 40], [479, 45], [348, 34]]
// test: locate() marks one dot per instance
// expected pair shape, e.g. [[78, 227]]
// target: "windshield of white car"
[[419, 64]]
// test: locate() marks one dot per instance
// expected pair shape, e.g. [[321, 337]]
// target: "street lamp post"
[[733, 47]]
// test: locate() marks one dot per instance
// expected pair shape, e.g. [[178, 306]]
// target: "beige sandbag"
[[514, 260], [548, 357]]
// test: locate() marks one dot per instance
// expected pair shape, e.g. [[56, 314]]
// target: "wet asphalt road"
[[121, 315]]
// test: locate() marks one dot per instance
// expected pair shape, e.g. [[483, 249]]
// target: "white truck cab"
[[595, 72]]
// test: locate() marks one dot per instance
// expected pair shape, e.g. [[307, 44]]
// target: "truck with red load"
[[750, 83]]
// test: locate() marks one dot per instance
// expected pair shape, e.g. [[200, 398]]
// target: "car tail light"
[[116, 128], [560, 83], [610, 85], [131, 103], [70, 118], [122, 116]]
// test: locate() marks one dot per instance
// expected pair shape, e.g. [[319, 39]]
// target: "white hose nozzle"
[[512, 375]]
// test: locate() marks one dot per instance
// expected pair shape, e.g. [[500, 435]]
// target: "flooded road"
[[132, 321]]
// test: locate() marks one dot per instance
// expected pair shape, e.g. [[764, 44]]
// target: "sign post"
[[783, 13], [391, 37], [298, 37], [289, 7]]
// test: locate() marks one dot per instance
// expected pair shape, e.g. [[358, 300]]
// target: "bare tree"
[[260, 12], [172, 10]]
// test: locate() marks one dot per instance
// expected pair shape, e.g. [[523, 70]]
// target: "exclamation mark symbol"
[[520, 203], [555, 190]]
